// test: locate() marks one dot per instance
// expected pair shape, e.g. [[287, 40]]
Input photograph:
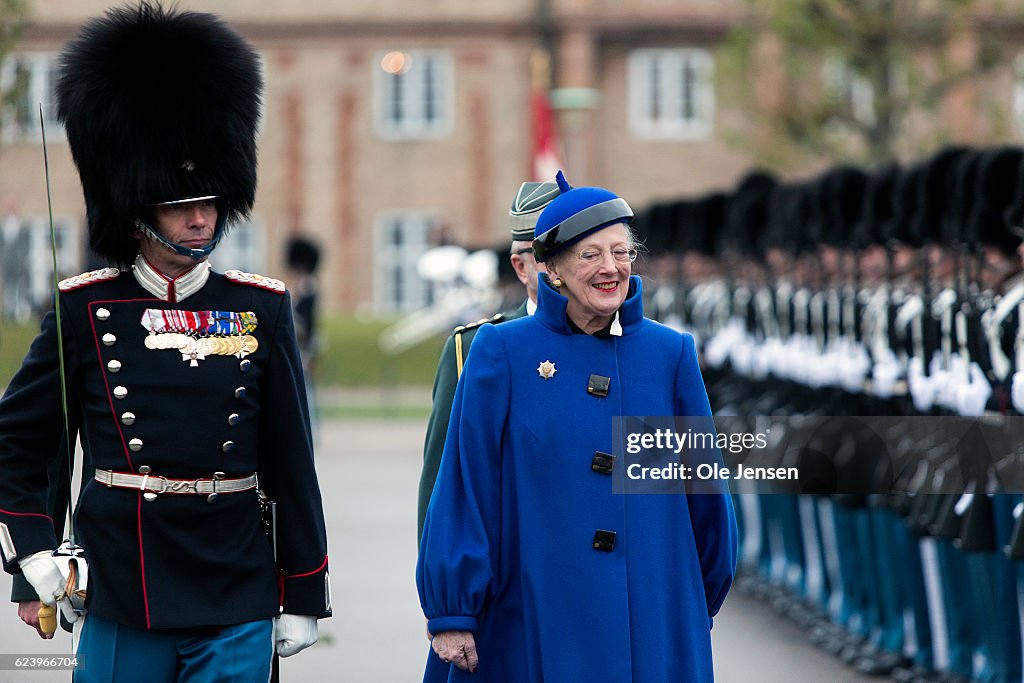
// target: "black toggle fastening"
[[604, 540], [598, 385], [603, 462]]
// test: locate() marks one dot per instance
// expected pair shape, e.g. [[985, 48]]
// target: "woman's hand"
[[457, 647]]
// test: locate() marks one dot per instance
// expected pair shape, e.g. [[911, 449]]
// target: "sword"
[[69, 548], [275, 663]]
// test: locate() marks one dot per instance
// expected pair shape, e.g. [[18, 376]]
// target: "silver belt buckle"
[[212, 498], [151, 496]]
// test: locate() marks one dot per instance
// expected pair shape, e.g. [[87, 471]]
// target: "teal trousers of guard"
[[113, 653]]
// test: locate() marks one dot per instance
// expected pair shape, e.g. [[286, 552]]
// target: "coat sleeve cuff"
[[22, 535], [21, 589], [308, 594], [442, 624]]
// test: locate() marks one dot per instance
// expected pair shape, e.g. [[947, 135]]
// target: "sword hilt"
[[48, 618]]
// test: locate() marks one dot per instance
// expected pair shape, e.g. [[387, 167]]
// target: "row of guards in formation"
[[894, 293]]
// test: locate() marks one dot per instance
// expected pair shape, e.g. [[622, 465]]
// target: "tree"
[[853, 80]]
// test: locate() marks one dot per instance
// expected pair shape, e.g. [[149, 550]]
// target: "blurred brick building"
[[393, 125]]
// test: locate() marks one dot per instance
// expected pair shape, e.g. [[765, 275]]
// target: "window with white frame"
[[852, 94], [1018, 94], [671, 93], [400, 238], [26, 81], [242, 249], [26, 262], [413, 94]]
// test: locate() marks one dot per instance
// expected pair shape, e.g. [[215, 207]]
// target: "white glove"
[[293, 633], [1017, 391], [741, 355], [759, 361], [922, 390], [855, 367], [953, 379], [718, 348], [42, 572], [885, 374], [972, 397]]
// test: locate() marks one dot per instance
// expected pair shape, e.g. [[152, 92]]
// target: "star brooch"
[[546, 369]]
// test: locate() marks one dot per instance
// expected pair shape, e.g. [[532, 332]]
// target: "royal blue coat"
[[508, 546]]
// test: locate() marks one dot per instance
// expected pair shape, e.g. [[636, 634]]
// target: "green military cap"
[[526, 207]]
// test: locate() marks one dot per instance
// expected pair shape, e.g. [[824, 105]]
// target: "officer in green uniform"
[[526, 207]]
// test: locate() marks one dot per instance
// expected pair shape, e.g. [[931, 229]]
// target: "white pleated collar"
[[170, 289]]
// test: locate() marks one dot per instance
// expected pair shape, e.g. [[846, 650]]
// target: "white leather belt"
[[152, 485]]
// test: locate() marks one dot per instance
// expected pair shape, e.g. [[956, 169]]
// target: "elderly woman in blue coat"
[[530, 567]]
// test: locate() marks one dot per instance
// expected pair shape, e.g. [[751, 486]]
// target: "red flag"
[[546, 161]]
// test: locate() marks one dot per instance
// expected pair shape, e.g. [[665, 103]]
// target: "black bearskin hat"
[[159, 106], [877, 211], [932, 199], [844, 204], [996, 182], [746, 213], [303, 254]]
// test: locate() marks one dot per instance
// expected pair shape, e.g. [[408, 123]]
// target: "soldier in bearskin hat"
[[168, 368]]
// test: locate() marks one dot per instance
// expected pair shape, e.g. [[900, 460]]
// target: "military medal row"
[[241, 345]]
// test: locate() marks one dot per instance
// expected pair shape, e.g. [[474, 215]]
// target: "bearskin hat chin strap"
[[197, 254]]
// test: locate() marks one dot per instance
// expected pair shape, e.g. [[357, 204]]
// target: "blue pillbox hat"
[[575, 213]]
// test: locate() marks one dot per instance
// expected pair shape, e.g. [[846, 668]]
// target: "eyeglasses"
[[620, 254], [524, 250]]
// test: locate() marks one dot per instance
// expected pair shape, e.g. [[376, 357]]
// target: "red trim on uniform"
[[315, 571], [253, 284], [26, 514], [172, 295], [90, 282], [142, 563], [269, 288], [103, 371]]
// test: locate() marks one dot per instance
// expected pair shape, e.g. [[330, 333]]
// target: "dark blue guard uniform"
[[186, 392], [178, 560]]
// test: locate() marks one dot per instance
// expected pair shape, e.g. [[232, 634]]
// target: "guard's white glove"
[[741, 355], [293, 633], [885, 373], [719, 347], [1017, 391], [42, 572], [922, 389], [950, 380], [855, 366], [759, 361], [972, 396]]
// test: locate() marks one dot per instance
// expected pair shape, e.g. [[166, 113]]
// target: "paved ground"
[[369, 471]]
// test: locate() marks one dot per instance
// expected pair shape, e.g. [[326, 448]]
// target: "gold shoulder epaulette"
[[254, 280], [496, 318], [460, 359], [86, 279]]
